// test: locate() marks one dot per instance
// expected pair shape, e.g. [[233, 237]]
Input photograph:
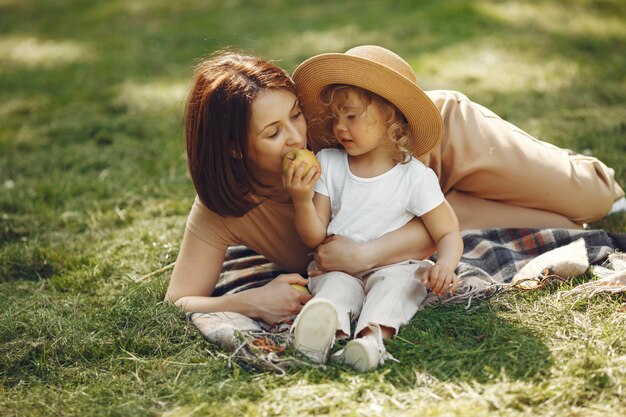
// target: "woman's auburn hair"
[[217, 124]]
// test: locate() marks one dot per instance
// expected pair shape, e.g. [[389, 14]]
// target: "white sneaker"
[[365, 353], [314, 329], [618, 206]]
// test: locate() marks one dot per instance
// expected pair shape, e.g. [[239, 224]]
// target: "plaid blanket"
[[494, 255], [244, 269], [493, 259]]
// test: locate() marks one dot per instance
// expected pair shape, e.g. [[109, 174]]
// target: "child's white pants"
[[389, 296]]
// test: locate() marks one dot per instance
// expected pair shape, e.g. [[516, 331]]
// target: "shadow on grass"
[[452, 344], [28, 261]]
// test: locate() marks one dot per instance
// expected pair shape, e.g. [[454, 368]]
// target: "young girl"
[[370, 187]]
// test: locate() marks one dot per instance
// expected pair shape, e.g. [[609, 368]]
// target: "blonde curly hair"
[[398, 130]]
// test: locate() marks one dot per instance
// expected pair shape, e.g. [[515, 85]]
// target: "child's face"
[[358, 126]]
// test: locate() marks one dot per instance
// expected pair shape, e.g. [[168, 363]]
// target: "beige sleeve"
[[208, 226]]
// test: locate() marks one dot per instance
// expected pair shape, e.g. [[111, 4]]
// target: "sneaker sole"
[[315, 332]]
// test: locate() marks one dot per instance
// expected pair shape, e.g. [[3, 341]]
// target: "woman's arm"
[[196, 273], [411, 241]]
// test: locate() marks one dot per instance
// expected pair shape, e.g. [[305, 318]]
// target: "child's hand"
[[440, 279], [300, 188]]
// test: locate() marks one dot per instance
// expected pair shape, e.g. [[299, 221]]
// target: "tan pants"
[[388, 297], [496, 175]]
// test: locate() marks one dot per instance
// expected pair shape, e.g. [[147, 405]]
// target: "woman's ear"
[[235, 154]]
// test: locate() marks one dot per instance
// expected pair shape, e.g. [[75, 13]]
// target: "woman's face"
[[277, 126]]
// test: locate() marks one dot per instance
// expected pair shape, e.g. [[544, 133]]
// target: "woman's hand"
[[440, 279], [339, 253], [277, 301]]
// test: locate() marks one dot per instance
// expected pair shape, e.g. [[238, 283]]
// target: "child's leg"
[[336, 297], [486, 157], [393, 296], [344, 291]]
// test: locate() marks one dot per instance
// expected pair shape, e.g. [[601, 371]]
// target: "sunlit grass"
[[30, 52], [94, 194], [578, 20], [337, 39], [490, 65], [151, 97]]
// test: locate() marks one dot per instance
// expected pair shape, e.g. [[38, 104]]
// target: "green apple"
[[299, 288], [299, 156]]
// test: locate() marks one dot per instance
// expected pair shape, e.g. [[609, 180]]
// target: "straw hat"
[[380, 71]]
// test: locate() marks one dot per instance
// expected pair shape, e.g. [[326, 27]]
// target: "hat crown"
[[386, 58], [375, 69]]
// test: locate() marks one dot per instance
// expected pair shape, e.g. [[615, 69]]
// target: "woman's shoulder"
[[208, 226], [203, 217], [200, 210]]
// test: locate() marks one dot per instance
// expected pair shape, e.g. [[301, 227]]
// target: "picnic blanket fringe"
[[493, 260], [612, 280]]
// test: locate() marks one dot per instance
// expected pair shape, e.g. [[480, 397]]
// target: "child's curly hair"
[[398, 130]]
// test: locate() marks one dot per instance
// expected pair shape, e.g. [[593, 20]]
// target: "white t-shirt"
[[364, 209]]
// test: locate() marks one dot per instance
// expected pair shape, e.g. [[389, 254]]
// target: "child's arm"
[[443, 227], [312, 220], [312, 210]]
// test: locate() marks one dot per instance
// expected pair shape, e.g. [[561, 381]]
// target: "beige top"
[[267, 229]]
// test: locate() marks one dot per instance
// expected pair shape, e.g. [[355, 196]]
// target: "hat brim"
[[319, 71]]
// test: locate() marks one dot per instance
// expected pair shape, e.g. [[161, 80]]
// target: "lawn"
[[94, 194]]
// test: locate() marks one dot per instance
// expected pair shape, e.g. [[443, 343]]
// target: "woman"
[[243, 116]]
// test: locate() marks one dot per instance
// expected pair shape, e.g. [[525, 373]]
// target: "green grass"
[[94, 192]]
